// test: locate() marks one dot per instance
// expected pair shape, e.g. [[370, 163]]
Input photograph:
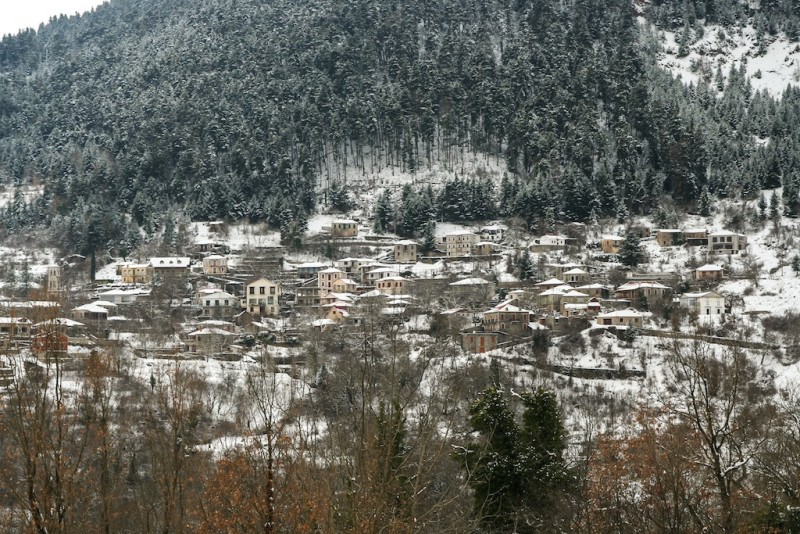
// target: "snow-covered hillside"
[[771, 71]]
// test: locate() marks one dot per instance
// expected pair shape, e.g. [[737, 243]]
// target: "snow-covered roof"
[[629, 312], [331, 270], [470, 282], [591, 286], [29, 304], [506, 307], [461, 232], [345, 297], [59, 321], [217, 294], [392, 279], [344, 221], [575, 271], [323, 322], [214, 257], [405, 242], [338, 304], [373, 293], [124, 292], [346, 281], [702, 294], [382, 270], [170, 262], [551, 282], [613, 238], [212, 332], [575, 294], [558, 290], [215, 322], [669, 231], [627, 286], [723, 233], [91, 308], [710, 268], [14, 320]]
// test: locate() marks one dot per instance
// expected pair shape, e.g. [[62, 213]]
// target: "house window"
[[252, 291], [270, 300], [272, 290], [262, 290]]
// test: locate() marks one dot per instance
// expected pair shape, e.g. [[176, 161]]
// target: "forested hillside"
[[236, 109]]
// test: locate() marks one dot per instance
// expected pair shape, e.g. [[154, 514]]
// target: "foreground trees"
[[517, 472], [390, 436], [692, 464]]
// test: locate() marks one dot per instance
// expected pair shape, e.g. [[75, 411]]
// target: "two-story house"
[[459, 243], [261, 297], [406, 251], [704, 303], [215, 264], [725, 242]]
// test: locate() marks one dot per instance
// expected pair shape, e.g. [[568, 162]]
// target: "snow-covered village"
[[465, 266], [607, 314]]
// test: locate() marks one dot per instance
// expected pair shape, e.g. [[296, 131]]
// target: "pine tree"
[[762, 207], [796, 264], [525, 268], [339, 197], [774, 208], [517, 470], [631, 253], [705, 203], [428, 238], [383, 213], [791, 200]]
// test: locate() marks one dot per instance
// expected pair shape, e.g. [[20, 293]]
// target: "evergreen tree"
[[516, 471], [428, 238], [339, 197], [762, 207], [790, 197], [631, 253], [774, 208], [525, 268], [705, 203], [383, 213]]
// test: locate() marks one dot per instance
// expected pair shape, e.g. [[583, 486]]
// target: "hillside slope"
[[145, 108]]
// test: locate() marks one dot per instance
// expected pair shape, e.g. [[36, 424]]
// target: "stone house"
[[215, 264], [344, 228], [611, 244], [262, 297]]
